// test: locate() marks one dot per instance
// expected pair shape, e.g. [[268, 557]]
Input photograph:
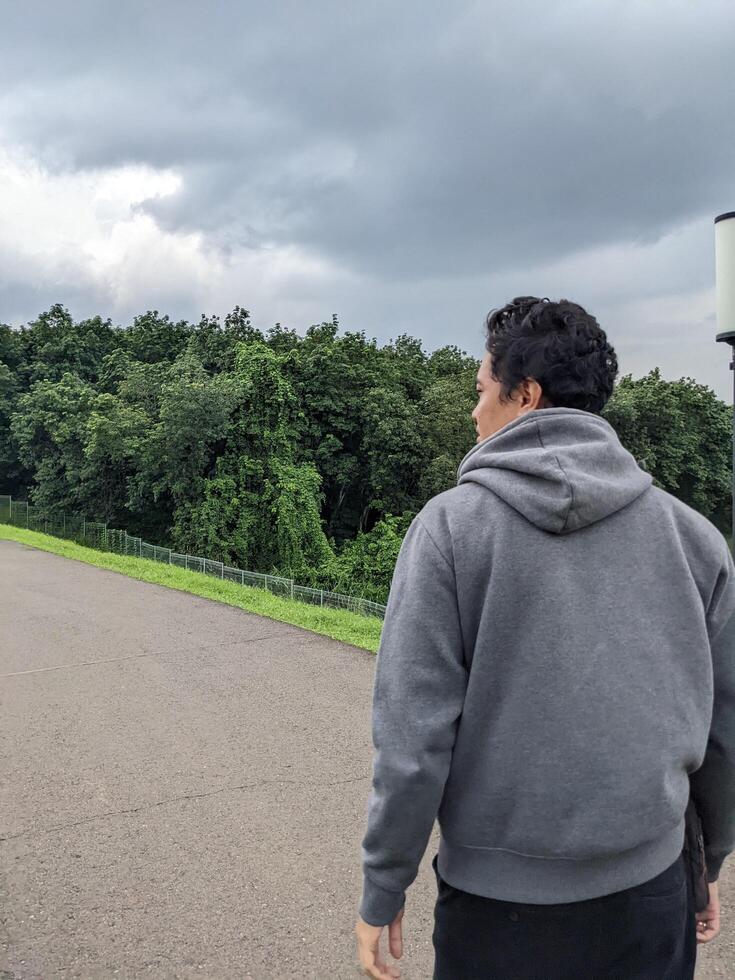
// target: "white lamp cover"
[[725, 270]]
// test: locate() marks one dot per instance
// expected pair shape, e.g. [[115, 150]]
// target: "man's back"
[[564, 615]]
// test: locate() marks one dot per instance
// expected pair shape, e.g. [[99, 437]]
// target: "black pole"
[[729, 338]]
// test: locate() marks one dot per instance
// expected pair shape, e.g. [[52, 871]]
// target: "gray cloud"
[[472, 138], [397, 142]]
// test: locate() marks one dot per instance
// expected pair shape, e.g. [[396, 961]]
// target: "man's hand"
[[708, 920], [368, 940]]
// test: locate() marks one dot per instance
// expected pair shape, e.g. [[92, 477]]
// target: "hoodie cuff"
[[379, 907]]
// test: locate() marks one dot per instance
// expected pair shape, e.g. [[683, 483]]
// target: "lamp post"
[[725, 293]]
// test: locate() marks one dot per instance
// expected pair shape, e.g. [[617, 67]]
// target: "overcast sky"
[[407, 166]]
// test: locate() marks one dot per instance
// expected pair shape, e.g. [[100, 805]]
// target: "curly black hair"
[[559, 344]]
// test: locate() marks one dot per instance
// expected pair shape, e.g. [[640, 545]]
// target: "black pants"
[[643, 933]]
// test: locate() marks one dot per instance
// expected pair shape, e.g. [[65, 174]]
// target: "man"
[[556, 675]]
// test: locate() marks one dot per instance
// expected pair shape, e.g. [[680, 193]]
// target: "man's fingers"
[[368, 948], [373, 966], [381, 968], [388, 972], [378, 970], [707, 929], [708, 925], [708, 920], [395, 939]]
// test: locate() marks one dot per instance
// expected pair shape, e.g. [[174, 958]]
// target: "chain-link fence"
[[98, 535]]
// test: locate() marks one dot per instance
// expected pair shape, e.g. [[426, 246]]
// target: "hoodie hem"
[[512, 877]]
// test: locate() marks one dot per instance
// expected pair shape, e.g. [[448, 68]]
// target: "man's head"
[[541, 355]]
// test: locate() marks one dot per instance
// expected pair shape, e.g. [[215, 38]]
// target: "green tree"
[[305, 456], [216, 343], [392, 447], [49, 429], [682, 434], [181, 450], [364, 566], [155, 339], [13, 475], [448, 431], [330, 377], [114, 436], [53, 345], [260, 508]]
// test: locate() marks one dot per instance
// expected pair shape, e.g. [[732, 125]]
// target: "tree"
[[364, 566], [260, 507], [53, 345], [303, 456], [682, 434], [392, 447], [216, 343], [330, 377], [49, 429], [114, 436], [13, 475], [448, 432], [155, 339], [181, 450]]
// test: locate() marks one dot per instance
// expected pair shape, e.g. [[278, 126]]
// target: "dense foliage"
[[304, 456]]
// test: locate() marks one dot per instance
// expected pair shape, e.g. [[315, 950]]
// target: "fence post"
[[242, 577], [292, 588], [84, 529], [186, 562], [322, 602], [222, 570]]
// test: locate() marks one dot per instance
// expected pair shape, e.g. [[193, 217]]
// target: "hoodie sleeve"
[[419, 689], [713, 784]]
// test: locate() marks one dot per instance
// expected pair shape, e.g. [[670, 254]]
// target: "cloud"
[[407, 166], [83, 237], [429, 139]]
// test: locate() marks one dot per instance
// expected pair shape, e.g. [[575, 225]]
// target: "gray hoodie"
[[557, 664]]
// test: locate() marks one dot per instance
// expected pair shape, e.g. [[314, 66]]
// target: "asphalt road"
[[184, 788]]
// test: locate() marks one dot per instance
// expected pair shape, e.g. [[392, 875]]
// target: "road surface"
[[184, 788]]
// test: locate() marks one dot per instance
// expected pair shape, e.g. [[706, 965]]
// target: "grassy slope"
[[340, 624]]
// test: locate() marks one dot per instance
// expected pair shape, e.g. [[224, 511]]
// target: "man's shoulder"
[[454, 508], [688, 520], [705, 546], [452, 500]]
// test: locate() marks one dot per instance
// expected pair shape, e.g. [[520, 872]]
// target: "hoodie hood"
[[561, 468]]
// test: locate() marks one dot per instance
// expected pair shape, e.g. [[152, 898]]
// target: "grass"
[[339, 624]]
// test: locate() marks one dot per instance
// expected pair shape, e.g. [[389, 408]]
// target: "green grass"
[[339, 624]]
